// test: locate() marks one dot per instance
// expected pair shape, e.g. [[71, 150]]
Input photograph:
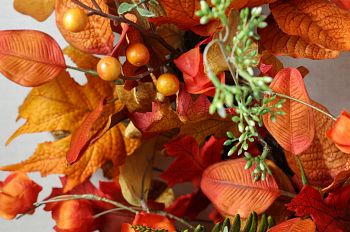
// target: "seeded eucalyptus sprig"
[[246, 96]]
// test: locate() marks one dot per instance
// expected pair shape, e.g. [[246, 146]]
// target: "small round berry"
[[167, 84], [109, 68], [137, 54], [75, 20]]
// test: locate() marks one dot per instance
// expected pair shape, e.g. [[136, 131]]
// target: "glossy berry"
[[109, 68], [75, 20], [167, 84], [137, 54]]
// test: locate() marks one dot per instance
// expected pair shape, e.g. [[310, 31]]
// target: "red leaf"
[[191, 160], [196, 81], [294, 131], [30, 58], [331, 215], [189, 205], [154, 221], [80, 137]]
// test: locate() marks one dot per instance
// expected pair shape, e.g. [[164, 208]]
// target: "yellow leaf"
[[81, 59], [50, 158], [62, 104], [97, 37], [38, 9], [137, 173]]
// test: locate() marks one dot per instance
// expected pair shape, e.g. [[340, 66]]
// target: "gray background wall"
[[327, 83]]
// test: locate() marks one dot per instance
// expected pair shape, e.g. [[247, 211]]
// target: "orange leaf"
[[322, 154], [232, 191], [80, 137], [81, 59], [38, 9], [62, 104], [277, 42], [295, 130], [345, 4], [295, 225], [317, 21], [97, 37], [50, 158], [338, 181], [30, 58]]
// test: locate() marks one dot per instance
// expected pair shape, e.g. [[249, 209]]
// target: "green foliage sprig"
[[139, 228], [126, 7], [246, 96]]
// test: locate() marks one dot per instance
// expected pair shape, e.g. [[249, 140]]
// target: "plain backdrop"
[[328, 83]]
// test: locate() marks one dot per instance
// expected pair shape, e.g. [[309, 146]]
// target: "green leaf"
[[144, 12], [126, 7]]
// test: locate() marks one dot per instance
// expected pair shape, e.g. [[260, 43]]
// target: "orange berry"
[[167, 84], [137, 54], [109, 68], [75, 20]]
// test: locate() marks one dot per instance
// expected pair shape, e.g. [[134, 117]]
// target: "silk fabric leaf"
[[38, 9], [295, 225], [295, 130], [97, 36], [232, 191], [277, 42], [30, 58], [317, 21]]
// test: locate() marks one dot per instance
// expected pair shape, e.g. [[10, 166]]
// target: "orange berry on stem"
[[75, 20], [109, 68], [167, 84], [137, 54]]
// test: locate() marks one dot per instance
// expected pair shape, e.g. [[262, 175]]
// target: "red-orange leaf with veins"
[[97, 36], [30, 58], [317, 21], [277, 42], [295, 130], [322, 161]]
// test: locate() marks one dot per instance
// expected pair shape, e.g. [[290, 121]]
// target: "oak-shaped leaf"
[[322, 153], [295, 225], [191, 160], [232, 190], [63, 104], [30, 58], [278, 42], [330, 214], [96, 37], [38, 9], [295, 130], [50, 158], [316, 21]]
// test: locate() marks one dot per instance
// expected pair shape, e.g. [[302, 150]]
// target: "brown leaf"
[[277, 42], [294, 131], [322, 161], [38, 9], [316, 21], [97, 37], [62, 104], [232, 191], [30, 58]]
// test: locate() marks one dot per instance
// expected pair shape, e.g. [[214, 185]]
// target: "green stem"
[[304, 103], [87, 71], [287, 194], [303, 176]]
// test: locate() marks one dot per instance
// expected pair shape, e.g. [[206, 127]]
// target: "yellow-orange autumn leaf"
[[295, 130], [30, 58], [277, 42], [62, 104], [322, 161], [81, 59], [38, 9], [97, 36], [232, 191], [295, 225], [50, 158], [316, 21]]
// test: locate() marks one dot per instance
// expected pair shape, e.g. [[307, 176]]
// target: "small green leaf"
[[144, 12], [126, 7], [236, 225]]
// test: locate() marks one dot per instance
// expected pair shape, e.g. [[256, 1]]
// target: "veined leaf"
[[295, 130], [295, 225], [30, 58], [38, 9], [232, 190]]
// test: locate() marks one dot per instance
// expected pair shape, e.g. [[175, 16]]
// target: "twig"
[[107, 212], [96, 5], [171, 216], [287, 194]]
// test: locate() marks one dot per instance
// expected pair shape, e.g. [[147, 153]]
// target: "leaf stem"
[[287, 194], [304, 103], [87, 71]]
